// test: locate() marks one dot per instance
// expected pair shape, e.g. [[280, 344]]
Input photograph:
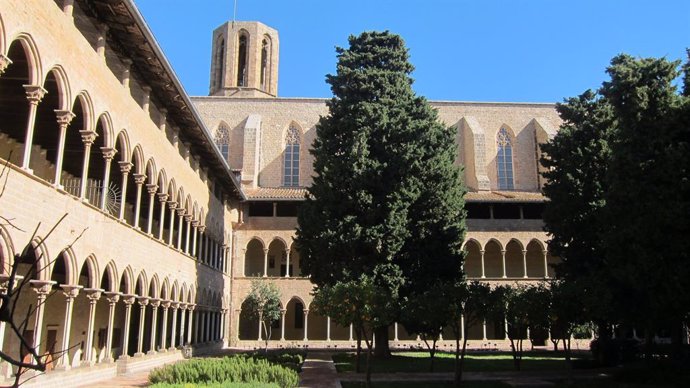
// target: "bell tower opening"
[[245, 60]]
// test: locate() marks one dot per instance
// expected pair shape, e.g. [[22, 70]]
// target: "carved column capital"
[[162, 197], [41, 287], [180, 211], [88, 137], [139, 179], [175, 305], [155, 302], [34, 93], [94, 294], [152, 188], [70, 291], [108, 153], [166, 304], [129, 299], [4, 63], [188, 218], [64, 117], [195, 223], [125, 167], [112, 297], [202, 228], [172, 205], [143, 300]]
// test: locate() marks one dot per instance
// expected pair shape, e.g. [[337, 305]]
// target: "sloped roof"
[[298, 193]]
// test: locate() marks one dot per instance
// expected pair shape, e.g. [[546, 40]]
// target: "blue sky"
[[481, 50]]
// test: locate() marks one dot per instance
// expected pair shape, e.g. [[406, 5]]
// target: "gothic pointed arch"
[[242, 58], [504, 158], [222, 140], [265, 70], [291, 155]]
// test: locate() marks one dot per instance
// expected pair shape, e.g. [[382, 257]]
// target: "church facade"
[[174, 204]]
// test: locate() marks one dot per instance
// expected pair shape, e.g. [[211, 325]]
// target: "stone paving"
[[318, 371], [134, 380]]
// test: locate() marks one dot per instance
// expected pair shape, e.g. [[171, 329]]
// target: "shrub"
[[216, 385], [612, 352], [233, 369]]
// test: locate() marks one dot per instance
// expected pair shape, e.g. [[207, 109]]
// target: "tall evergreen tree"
[[385, 192]]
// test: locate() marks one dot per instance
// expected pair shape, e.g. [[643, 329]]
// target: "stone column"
[[93, 294], [152, 189], [484, 329], [200, 256], [328, 329], [462, 326], [282, 324], [183, 315], [163, 119], [260, 325], [395, 338], [351, 330], [154, 302], [172, 205], [306, 323], [143, 301], [287, 263], [146, 100], [68, 7], [164, 327], [64, 117], [524, 263], [42, 289], [195, 226], [87, 137], [112, 298], [173, 329], [265, 262], [127, 63], [108, 155], [34, 94], [125, 168], [162, 197], [481, 252], [180, 215], [101, 40], [128, 300], [70, 293], [503, 262], [546, 263], [505, 328], [188, 220], [139, 180], [190, 307]]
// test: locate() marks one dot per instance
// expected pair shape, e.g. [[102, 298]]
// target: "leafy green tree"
[[511, 304], [468, 305], [365, 302], [385, 190], [647, 200], [566, 312], [263, 302], [617, 183], [426, 313]]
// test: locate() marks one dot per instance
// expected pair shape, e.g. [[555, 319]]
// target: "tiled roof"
[[504, 196], [277, 193], [298, 193]]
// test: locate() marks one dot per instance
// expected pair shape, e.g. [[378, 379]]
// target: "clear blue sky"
[[480, 50]]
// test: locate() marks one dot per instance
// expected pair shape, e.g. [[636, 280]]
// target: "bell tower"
[[244, 60]]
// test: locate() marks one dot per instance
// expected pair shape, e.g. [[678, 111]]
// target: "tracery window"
[[291, 157], [222, 140], [504, 160]]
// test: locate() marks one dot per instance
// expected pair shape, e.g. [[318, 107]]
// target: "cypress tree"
[[386, 194]]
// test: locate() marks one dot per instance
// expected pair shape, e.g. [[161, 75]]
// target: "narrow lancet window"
[[291, 159], [264, 64], [242, 62], [220, 68], [504, 161]]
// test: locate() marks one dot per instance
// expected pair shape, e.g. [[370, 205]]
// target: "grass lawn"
[[428, 384], [444, 362]]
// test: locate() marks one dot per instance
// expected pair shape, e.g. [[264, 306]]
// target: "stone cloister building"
[[173, 204]]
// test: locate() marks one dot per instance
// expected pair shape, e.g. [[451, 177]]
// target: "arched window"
[[291, 160], [264, 64], [242, 61], [223, 140], [220, 68], [504, 160]]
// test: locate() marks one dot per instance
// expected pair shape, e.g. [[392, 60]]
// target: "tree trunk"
[[369, 346], [432, 353], [381, 348], [359, 351]]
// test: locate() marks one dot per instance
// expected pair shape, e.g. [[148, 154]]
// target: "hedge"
[[234, 369]]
